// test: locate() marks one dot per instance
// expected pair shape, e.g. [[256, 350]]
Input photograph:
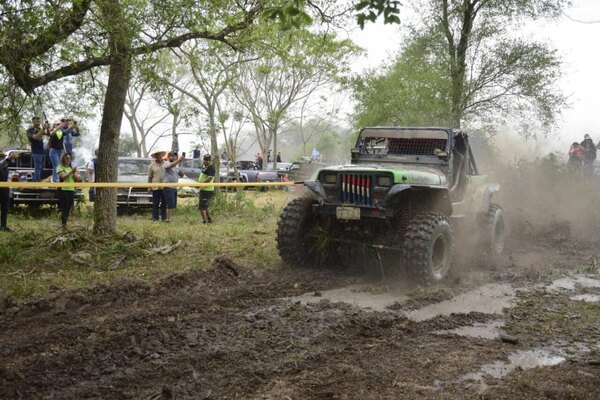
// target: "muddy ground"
[[230, 332]]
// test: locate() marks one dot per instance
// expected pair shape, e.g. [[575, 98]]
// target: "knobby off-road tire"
[[294, 224], [494, 233], [429, 243]]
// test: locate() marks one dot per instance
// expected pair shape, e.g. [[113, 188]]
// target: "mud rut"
[[229, 332]]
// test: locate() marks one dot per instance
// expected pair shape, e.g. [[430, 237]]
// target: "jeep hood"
[[403, 173]]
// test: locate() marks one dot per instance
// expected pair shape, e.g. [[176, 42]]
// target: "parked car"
[[191, 167], [187, 191], [280, 166], [249, 172], [21, 169], [135, 170], [300, 171]]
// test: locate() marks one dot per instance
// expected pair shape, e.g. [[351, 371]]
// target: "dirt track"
[[232, 333]]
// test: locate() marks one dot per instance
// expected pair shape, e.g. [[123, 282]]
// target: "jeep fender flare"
[[317, 188], [440, 198], [486, 196]]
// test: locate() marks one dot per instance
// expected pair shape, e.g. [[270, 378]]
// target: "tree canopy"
[[463, 63], [42, 42]]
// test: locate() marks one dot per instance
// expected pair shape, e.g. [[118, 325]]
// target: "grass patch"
[[38, 257]]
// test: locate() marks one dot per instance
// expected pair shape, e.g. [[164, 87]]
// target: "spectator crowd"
[[582, 156]]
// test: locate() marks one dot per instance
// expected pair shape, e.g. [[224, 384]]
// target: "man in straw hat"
[[5, 192], [156, 174]]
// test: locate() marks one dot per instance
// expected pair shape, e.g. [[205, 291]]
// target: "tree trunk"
[[105, 207], [212, 132], [174, 134]]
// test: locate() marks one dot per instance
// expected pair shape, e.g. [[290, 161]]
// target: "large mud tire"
[[494, 228], [429, 243], [293, 227]]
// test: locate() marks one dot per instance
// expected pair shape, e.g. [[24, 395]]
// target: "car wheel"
[[301, 240], [429, 244]]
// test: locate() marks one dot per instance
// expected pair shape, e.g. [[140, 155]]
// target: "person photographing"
[[172, 175], [35, 134]]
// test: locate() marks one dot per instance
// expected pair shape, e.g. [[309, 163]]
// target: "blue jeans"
[[159, 202], [68, 143], [38, 164], [171, 197], [55, 160]]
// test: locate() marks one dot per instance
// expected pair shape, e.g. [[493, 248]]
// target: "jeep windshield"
[[134, 167], [418, 142]]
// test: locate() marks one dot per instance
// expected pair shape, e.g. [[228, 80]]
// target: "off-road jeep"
[[396, 206]]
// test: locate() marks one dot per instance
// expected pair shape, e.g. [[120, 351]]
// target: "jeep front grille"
[[356, 189]]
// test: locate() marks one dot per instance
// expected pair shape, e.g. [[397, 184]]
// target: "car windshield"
[[133, 167]]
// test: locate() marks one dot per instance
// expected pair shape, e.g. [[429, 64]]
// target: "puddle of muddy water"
[[488, 299], [523, 359], [360, 296], [570, 283], [590, 298], [489, 330]]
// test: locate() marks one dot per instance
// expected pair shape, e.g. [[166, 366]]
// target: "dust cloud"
[[541, 198]]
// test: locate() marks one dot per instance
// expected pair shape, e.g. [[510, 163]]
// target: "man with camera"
[[35, 134], [172, 174], [70, 130]]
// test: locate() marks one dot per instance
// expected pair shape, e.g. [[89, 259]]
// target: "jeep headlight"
[[384, 181], [330, 178]]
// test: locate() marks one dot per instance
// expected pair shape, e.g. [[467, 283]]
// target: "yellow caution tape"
[[136, 185]]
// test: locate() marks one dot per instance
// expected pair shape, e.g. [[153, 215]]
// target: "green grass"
[[38, 257]]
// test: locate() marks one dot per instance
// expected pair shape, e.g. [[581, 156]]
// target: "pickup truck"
[[249, 172], [192, 168], [135, 170], [299, 171], [21, 169]]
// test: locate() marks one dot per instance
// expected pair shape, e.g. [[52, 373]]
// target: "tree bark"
[[105, 207], [174, 134]]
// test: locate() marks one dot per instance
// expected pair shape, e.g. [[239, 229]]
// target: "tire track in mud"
[[231, 333]]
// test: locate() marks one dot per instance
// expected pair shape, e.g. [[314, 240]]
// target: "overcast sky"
[[577, 44]]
